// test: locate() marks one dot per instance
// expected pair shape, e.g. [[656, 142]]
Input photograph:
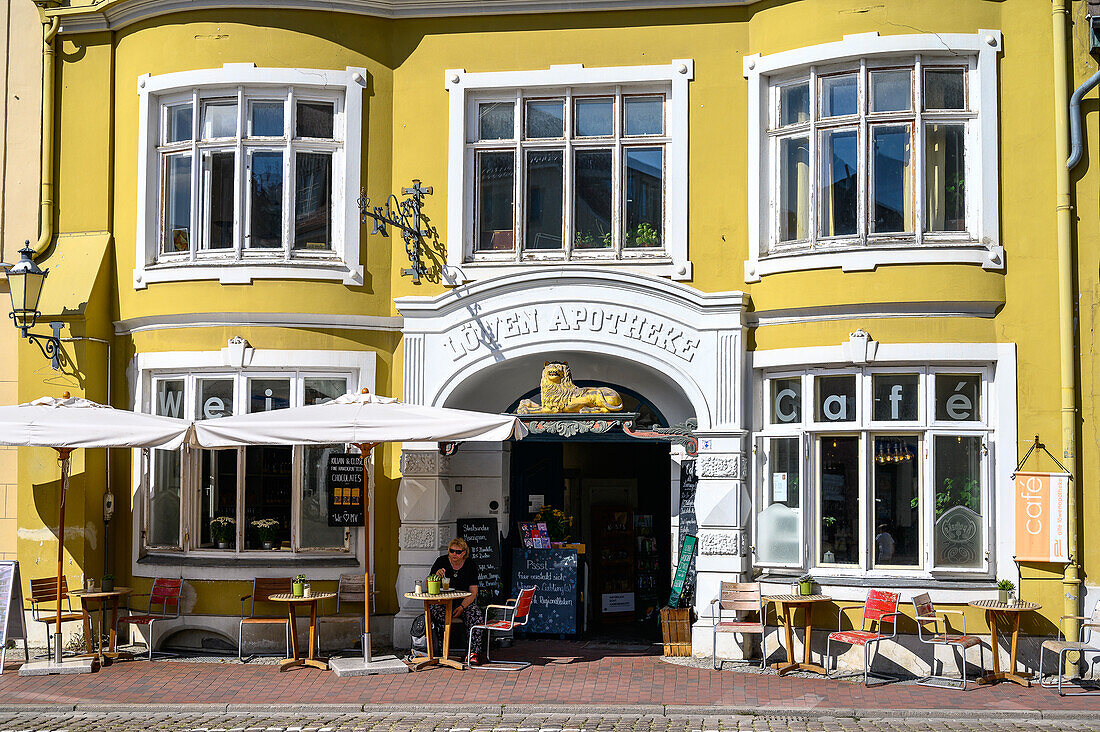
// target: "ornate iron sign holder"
[[403, 215], [570, 425]]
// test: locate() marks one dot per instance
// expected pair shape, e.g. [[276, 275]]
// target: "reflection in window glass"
[[266, 395], [958, 397], [944, 89], [644, 190], [218, 499], [267, 119], [945, 177], [321, 390], [592, 199], [786, 395], [219, 119], [891, 91], [495, 190], [896, 397], [957, 539], [545, 118], [897, 501], [313, 201], [217, 187], [839, 186], [177, 194], [315, 119], [794, 104], [214, 398], [835, 398], [838, 486], [496, 121], [839, 95], [179, 123], [794, 188], [313, 513], [645, 115], [892, 172], [266, 200], [594, 117], [545, 190]]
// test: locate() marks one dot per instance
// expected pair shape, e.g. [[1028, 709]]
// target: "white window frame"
[[466, 89], [239, 265], [980, 245]]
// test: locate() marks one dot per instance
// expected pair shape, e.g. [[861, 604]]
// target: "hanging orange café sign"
[[1041, 516]]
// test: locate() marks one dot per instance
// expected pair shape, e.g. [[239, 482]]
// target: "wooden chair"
[[350, 589], [1088, 640], [928, 631], [879, 606], [262, 590], [43, 601], [738, 598], [164, 604], [517, 613]]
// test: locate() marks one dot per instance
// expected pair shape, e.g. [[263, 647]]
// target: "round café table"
[[1010, 614], [790, 603], [295, 601], [90, 600], [447, 600]]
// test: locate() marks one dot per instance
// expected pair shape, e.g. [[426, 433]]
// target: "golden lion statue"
[[560, 395]]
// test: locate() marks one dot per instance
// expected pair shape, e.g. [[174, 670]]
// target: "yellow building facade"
[[826, 233]]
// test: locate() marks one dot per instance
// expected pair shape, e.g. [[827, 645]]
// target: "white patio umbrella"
[[70, 422], [363, 420]]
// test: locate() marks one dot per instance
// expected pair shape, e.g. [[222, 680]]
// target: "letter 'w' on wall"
[[1041, 514]]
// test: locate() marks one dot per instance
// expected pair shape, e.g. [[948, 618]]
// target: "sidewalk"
[[565, 676]]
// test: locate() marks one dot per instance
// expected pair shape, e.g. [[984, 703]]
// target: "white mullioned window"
[[875, 471], [874, 151]]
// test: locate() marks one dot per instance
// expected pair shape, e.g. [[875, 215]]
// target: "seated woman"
[[457, 566]]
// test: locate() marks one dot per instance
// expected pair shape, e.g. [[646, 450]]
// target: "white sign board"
[[12, 622], [618, 602]]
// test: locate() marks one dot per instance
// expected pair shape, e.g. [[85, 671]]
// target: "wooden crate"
[[676, 630]]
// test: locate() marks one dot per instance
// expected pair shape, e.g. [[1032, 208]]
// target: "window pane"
[[170, 398], [219, 119], [218, 499], [893, 178], [546, 118], [321, 390], [838, 473], [945, 177], [592, 199], [839, 95], [496, 173], [265, 200], [958, 397], [957, 537], [266, 395], [316, 533], [267, 483], [215, 398], [890, 91], [544, 200], [895, 397], [267, 119], [835, 397], [594, 117], [645, 115], [786, 397], [179, 123], [218, 198], [944, 89], [496, 121], [794, 188], [177, 203], [780, 523], [314, 119], [164, 493], [839, 189], [644, 197], [897, 501], [313, 201], [794, 104]]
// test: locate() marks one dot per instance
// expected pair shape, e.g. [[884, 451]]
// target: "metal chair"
[[164, 604], [1062, 647], [738, 598], [44, 591], [518, 612], [928, 622], [262, 589], [879, 606]]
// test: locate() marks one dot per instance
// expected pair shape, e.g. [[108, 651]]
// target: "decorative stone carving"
[[722, 542], [721, 466], [860, 348], [419, 537], [564, 428], [422, 462]]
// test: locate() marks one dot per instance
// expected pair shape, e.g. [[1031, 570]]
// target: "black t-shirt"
[[461, 579]]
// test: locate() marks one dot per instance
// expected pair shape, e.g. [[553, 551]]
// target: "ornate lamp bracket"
[[679, 434], [404, 215]]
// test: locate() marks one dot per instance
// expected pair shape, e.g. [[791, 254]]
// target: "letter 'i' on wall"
[[1041, 517]]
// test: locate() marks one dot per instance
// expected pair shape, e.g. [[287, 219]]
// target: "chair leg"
[[240, 642], [714, 650], [828, 657], [150, 639]]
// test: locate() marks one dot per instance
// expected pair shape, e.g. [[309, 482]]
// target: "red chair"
[[518, 611], [164, 604], [879, 606]]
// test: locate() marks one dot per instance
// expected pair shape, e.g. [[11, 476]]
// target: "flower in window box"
[[222, 529], [265, 530]]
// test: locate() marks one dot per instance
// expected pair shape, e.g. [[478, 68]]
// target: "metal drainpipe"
[[1075, 137], [1071, 582], [45, 225]]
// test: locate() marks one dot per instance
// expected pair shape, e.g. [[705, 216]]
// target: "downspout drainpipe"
[[46, 202], [1071, 582], [1076, 143]]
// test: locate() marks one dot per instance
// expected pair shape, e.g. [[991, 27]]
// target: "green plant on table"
[[1007, 585]]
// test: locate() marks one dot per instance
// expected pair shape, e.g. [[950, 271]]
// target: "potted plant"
[[299, 586], [222, 529], [1005, 590], [108, 582], [805, 585], [557, 523], [435, 584], [265, 530]]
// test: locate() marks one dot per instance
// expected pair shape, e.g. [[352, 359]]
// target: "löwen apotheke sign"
[[344, 477]]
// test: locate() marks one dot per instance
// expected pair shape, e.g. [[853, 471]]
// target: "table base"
[[437, 661], [312, 662], [786, 668], [1020, 679]]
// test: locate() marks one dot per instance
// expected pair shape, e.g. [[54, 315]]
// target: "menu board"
[[689, 525], [483, 536], [534, 535], [344, 476], [11, 604], [687, 553], [554, 572]]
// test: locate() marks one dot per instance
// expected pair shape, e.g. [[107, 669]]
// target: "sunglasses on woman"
[[456, 551]]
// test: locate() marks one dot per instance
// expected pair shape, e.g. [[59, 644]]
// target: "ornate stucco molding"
[[721, 466]]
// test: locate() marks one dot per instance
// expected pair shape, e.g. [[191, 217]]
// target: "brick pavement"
[[565, 675]]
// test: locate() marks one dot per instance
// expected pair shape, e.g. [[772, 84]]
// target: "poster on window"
[[344, 476], [1041, 517]]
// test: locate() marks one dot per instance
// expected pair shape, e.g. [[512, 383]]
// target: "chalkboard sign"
[[689, 481], [554, 571], [11, 608], [483, 536], [687, 551], [345, 489]]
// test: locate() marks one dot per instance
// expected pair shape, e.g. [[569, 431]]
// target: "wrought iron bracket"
[[49, 345], [405, 216], [680, 434]]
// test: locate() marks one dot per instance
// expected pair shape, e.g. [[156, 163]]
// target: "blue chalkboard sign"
[[554, 571]]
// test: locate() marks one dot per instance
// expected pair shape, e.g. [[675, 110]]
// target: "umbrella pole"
[[63, 453], [364, 455]]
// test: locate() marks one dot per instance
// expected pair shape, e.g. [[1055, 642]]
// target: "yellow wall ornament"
[[559, 395]]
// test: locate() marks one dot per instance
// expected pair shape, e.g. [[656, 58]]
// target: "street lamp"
[[25, 280]]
